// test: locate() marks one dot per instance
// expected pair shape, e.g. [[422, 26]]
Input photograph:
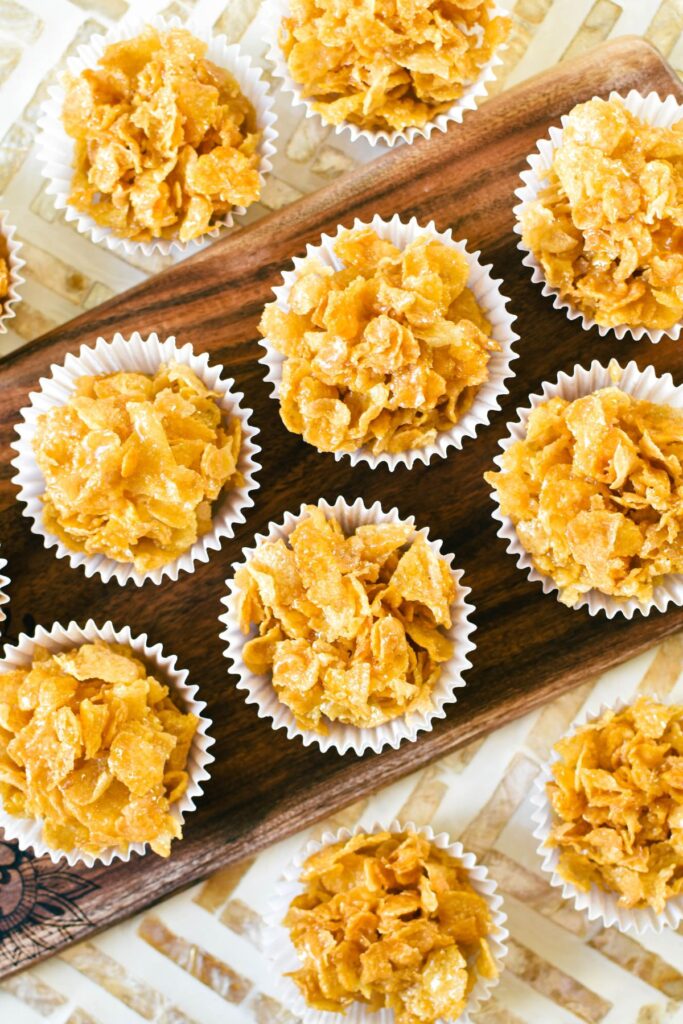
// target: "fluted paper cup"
[[4, 597], [598, 904], [471, 97], [643, 384], [56, 147], [283, 956], [28, 832], [259, 689], [653, 110], [8, 305], [144, 355], [493, 303]]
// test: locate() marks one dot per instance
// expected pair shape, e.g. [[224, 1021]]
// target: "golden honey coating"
[[165, 141], [133, 462], [391, 921], [607, 228], [617, 804], [385, 352], [595, 491], [388, 64], [351, 628], [92, 746], [4, 270]]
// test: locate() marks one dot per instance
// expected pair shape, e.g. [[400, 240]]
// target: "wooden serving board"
[[529, 647]]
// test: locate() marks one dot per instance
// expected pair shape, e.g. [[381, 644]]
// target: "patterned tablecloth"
[[196, 959]]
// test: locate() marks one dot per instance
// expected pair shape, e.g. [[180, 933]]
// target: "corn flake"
[[390, 921], [351, 628], [608, 227], [594, 493], [94, 748], [385, 352], [165, 141], [388, 64], [616, 800], [4, 271], [133, 462]]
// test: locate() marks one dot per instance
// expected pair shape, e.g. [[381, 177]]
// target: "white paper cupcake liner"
[[28, 832], [144, 355], [4, 597], [259, 689], [643, 384], [55, 147], [8, 305], [653, 110], [282, 954], [470, 99], [598, 904], [487, 292]]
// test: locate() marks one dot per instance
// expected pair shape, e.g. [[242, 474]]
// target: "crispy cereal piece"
[[383, 353], [384, 65], [390, 921], [165, 141], [352, 629], [593, 491], [608, 226], [96, 749], [616, 804], [164, 455], [5, 275], [4, 280]]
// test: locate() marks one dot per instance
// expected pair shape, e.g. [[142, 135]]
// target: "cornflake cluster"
[[608, 227], [4, 271], [132, 464], [389, 921], [93, 746], [351, 628], [383, 353], [166, 143], [388, 64], [595, 491], [616, 797]]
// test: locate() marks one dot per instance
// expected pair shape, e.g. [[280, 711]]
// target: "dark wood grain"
[[529, 647]]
